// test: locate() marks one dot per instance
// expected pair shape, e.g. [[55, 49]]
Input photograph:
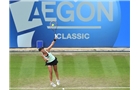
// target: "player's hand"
[[56, 36]]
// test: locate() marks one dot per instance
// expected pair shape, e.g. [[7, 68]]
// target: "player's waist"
[[51, 60]]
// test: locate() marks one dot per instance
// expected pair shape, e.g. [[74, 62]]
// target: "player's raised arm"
[[51, 45]]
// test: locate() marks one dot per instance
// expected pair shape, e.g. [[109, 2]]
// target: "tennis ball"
[[52, 24]]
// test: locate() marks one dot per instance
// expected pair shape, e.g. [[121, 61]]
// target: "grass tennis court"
[[78, 71]]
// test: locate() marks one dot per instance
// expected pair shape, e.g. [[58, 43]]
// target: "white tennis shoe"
[[58, 82], [52, 84]]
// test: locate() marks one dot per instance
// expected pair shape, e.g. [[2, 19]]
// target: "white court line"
[[76, 88]]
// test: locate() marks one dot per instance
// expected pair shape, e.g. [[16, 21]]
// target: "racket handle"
[[56, 36]]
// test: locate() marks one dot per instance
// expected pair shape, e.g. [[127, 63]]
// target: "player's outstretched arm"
[[51, 45]]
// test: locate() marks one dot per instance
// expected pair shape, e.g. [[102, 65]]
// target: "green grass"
[[79, 70]]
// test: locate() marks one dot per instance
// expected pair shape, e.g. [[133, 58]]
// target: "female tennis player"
[[50, 62]]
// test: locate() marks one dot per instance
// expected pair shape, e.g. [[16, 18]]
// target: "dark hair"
[[40, 48]]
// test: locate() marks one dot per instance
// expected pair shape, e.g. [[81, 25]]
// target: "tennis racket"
[[53, 26]]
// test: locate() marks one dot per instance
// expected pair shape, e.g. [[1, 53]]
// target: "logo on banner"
[[70, 15]]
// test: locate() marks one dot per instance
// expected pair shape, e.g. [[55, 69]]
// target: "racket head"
[[53, 25]]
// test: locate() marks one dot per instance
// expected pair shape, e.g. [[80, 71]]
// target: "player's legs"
[[56, 73], [50, 72], [50, 75]]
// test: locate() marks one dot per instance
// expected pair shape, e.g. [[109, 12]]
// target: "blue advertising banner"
[[90, 23]]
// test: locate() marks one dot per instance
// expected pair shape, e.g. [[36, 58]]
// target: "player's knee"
[[55, 70], [51, 72]]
